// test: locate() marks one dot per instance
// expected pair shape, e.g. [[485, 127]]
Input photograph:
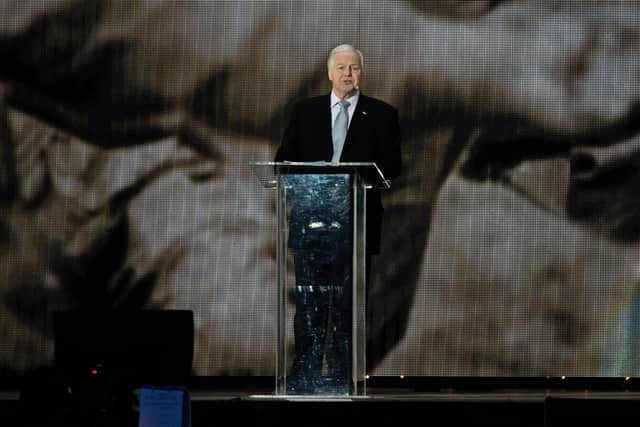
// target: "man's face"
[[345, 73]]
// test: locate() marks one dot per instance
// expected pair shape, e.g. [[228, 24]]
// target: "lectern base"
[[323, 388]]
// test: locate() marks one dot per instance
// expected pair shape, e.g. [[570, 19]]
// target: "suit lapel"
[[324, 127], [357, 121]]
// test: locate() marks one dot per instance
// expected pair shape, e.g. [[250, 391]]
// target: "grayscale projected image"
[[510, 242]]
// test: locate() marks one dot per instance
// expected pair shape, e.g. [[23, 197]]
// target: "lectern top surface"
[[369, 172]]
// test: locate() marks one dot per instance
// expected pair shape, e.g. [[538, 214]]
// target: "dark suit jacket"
[[373, 136]]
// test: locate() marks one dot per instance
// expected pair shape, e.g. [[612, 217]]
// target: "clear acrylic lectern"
[[320, 253]]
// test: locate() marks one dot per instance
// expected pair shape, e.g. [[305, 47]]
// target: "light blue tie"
[[340, 130]]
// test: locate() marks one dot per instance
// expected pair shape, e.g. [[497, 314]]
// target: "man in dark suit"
[[343, 126]]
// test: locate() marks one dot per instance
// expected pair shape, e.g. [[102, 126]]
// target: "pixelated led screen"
[[510, 241]]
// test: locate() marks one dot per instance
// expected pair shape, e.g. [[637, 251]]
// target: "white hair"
[[343, 48]]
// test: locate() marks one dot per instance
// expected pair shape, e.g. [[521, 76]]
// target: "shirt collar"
[[353, 100]]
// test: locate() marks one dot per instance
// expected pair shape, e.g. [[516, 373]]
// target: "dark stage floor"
[[388, 402]]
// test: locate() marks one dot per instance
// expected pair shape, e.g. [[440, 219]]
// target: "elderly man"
[[343, 126]]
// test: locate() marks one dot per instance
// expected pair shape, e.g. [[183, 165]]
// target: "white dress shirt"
[[335, 106], [335, 109]]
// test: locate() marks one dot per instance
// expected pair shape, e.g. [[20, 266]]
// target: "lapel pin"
[[364, 112]]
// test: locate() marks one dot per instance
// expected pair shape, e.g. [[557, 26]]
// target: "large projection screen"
[[510, 242]]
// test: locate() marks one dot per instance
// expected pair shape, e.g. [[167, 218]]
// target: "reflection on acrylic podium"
[[321, 225]]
